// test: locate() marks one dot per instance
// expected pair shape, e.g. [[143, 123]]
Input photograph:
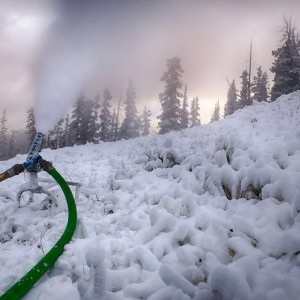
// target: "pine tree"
[[116, 129], [184, 118], [170, 97], [130, 125], [245, 98], [67, 140], [231, 104], [113, 126], [216, 113], [195, 114], [76, 125], [94, 125], [58, 130], [89, 122], [30, 126], [146, 122], [12, 149], [260, 86], [286, 67], [106, 117], [3, 137]]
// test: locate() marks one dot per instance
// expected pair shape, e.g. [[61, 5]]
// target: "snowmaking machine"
[[35, 163]]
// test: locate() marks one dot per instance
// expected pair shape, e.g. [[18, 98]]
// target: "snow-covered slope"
[[207, 213]]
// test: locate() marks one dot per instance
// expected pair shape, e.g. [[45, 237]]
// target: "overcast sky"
[[126, 39]]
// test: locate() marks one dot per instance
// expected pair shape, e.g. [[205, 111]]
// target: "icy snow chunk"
[[190, 255], [96, 287], [144, 289], [118, 279], [164, 293], [145, 258], [58, 287], [160, 221], [220, 158], [171, 277], [184, 233], [241, 247], [171, 205], [250, 266], [161, 245], [229, 283], [133, 222], [94, 256]]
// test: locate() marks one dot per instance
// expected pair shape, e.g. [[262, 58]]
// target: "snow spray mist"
[[66, 61]]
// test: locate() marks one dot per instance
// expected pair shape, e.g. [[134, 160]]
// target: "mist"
[[66, 60], [97, 44]]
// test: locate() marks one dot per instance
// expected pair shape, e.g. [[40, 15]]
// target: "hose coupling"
[[16, 170], [46, 165]]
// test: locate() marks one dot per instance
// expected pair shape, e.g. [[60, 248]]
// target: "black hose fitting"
[[16, 170], [46, 165]]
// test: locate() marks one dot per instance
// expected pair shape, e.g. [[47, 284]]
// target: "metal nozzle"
[[31, 163], [36, 146]]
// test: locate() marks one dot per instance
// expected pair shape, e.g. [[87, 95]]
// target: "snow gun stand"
[[33, 164]]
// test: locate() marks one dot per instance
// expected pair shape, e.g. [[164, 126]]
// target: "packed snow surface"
[[208, 213]]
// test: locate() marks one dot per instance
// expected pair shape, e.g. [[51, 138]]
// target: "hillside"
[[207, 213]]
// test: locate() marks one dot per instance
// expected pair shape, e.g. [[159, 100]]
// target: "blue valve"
[[33, 157]]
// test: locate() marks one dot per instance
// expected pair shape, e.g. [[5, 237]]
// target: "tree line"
[[286, 70], [92, 121]]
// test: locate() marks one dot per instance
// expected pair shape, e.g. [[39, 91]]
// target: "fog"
[[50, 51]]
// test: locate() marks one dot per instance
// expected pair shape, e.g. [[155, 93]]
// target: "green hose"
[[19, 289]]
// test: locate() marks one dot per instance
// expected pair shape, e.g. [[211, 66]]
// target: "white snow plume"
[[68, 56]]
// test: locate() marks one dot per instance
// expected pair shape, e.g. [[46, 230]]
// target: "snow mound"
[[210, 213]]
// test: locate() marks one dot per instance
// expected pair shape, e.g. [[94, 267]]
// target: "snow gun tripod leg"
[[23, 286], [35, 188]]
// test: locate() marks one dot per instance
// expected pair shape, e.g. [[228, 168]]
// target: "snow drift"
[[207, 213]]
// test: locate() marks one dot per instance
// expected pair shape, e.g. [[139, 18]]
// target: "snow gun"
[[33, 164]]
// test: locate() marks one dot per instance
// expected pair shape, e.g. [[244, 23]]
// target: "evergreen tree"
[[116, 129], [245, 98], [170, 97], [30, 126], [89, 122], [286, 67], [12, 149], [113, 126], [76, 125], [130, 125], [231, 104], [195, 114], [146, 121], [93, 124], [18, 143], [55, 136], [106, 117], [3, 137], [216, 113], [184, 119], [67, 140], [260, 86]]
